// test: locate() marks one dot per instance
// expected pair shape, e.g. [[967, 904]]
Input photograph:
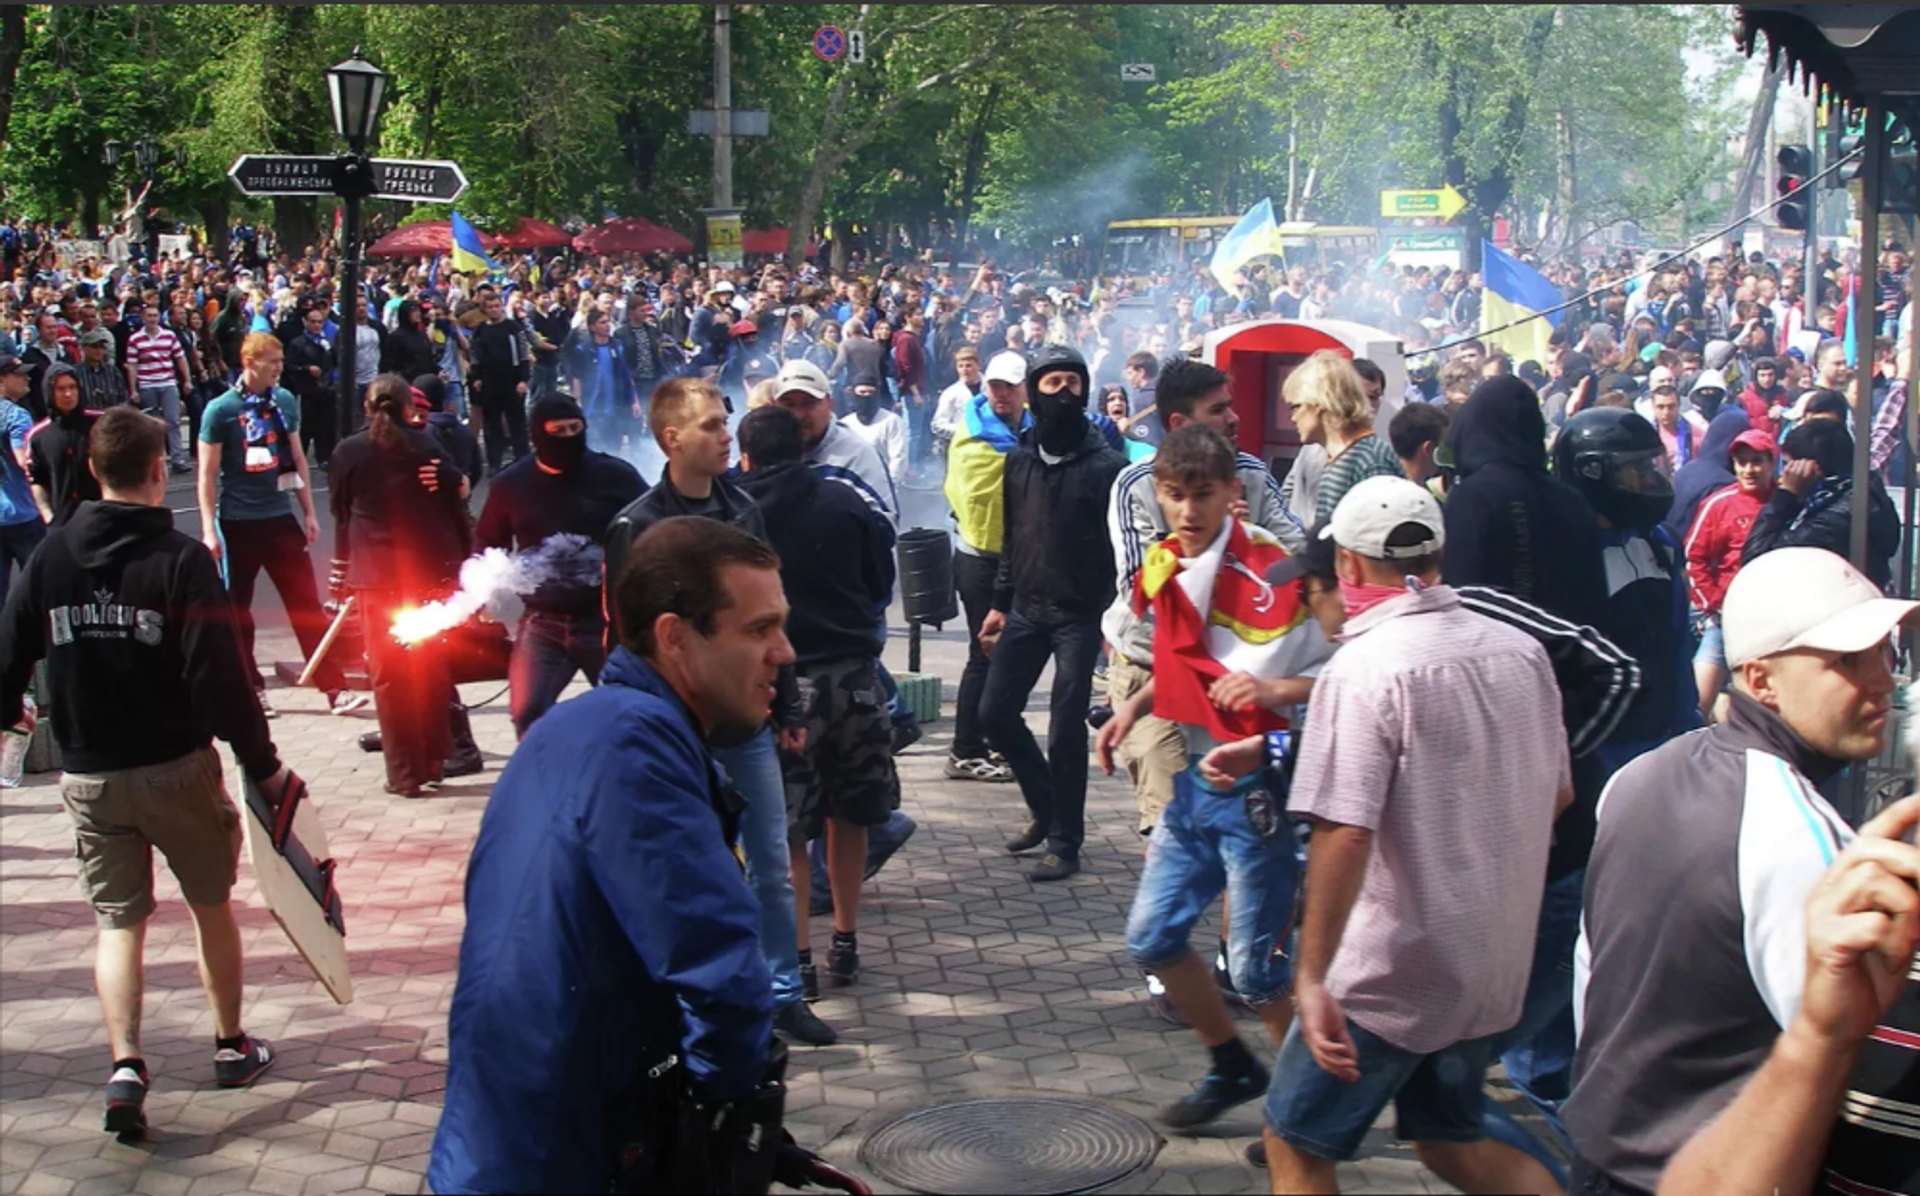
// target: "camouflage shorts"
[[846, 769]]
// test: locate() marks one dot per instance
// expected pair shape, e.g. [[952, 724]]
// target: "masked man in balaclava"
[[552, 508], [1056, 579]]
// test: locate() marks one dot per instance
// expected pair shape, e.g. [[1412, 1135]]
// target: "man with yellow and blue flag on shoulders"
[[989, 426]]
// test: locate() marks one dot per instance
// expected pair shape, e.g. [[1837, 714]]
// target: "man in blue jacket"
[[609, 927]]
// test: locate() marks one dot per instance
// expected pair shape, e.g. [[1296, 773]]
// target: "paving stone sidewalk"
[[976, 983]]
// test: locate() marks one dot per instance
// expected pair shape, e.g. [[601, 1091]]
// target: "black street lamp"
[[146, 156], [354, 88], [112, 155]]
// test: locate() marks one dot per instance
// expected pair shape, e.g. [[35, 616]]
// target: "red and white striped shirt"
[[153, 355]]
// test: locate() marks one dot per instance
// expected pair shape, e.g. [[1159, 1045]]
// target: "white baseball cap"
[[1007, 366], [1375, 508], [1805, 598], [803, 376]]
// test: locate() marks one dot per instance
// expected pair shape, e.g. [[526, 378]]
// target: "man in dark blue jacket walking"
[[610, 930]]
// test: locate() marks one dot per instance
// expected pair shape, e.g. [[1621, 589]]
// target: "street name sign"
[[286, 174]]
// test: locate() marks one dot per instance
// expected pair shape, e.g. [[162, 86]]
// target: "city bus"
[[1136, 248]]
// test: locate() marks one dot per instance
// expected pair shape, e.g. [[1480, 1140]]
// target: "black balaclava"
[[1059, 420], [866, 406], [558, 453]]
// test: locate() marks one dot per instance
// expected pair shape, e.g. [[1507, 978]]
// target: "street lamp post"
[[354, 88]]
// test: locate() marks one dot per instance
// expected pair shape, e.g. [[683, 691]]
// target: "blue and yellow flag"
[[469, 255], [1514, 292], [1252, 237]]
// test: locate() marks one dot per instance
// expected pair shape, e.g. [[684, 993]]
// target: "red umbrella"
[[529, 233], [631, 234], [422, 240], [772, 241]]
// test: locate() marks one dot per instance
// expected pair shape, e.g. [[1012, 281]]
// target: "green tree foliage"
[[965, 118]]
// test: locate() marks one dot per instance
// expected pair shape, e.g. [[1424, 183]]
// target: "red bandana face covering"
[[1359, 599]]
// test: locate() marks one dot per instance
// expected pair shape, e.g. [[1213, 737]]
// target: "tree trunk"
[[975, 160], [837, 253], [216, 212], [90, 213], [13, 44], [1752, 166], [806, 211], [294, 225]]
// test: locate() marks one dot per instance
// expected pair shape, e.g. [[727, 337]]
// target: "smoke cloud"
[[488, 580]]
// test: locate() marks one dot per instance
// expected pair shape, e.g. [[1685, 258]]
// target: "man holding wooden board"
[[145, 670]]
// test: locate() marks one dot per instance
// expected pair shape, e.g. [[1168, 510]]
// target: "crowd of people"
[[1570, 589]]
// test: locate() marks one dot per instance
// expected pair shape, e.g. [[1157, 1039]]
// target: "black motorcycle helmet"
[[1610, 455]]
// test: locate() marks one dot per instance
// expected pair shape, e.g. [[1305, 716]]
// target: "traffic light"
[[1796, 166], [1899, 175]]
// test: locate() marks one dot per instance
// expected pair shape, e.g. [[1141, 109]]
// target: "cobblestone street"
[[976, 983]]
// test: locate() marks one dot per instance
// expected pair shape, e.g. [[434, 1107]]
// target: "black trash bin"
[[926, 576]]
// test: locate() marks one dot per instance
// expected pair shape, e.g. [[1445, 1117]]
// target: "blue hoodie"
[[1710, 469], [608, 925]]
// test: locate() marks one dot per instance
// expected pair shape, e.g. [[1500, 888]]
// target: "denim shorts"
[[1436, 1098], [1713, 645], [1207, 843]]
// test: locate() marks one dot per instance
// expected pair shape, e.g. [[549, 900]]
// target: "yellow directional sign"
[[1443, 202]]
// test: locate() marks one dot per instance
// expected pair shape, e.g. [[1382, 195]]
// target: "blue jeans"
[[1539, 1049], [164, 401], [1436, 1098], [755, 769], [546, 653], [898, 713], [1206, 843], [1054, 783], [882, 842], [17, 542]]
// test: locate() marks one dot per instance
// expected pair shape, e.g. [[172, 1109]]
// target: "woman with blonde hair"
[[1329, 406]]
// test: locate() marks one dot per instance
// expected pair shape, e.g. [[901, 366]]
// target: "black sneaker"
[[1027, 840], [127, 1103], [370, 741], [809, 983], [818, 906], [1164, 1008], [1257, 1153], [905, 735], [798, 1024], [1055, 867], [843, 961], [237, 1069], [1215, 1095]]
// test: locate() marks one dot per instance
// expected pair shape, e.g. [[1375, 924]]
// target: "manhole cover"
[[1031, 1147]]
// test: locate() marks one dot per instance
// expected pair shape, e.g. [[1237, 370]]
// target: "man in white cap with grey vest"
[[1692, 958]]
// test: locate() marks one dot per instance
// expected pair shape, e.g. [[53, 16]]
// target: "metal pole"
[[1810, 268], [723, 106], [349, 316], [1866, 282]]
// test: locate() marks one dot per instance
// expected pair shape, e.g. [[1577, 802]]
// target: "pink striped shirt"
[[1439, 730], [153, 356]]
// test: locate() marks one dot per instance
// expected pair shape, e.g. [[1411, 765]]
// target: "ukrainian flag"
[[1252, 237], [1516, 292], [469, 255]]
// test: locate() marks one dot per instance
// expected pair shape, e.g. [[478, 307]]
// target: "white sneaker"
[[266, 704], [347, 701]]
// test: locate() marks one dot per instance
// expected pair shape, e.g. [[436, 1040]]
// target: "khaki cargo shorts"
[[181, 807], [1154, 751]]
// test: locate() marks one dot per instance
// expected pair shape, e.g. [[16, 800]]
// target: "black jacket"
[[1057, 565], [143, 655], [1509, 523], [304, 352], [392, 532], [409, 353], [526, 506], [458, 442], [836, 561], [1825, 520], [731, 505], [641, 343], [499, 363]]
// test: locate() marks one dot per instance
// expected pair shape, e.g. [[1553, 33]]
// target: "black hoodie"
[[1510, 524], [57, 451], [143, 655], [836, 561]]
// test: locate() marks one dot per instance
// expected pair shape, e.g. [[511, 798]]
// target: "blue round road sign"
[[829, 43]]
